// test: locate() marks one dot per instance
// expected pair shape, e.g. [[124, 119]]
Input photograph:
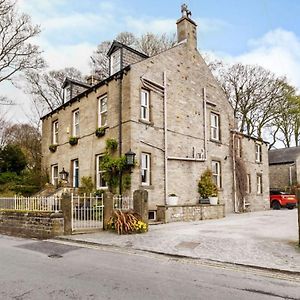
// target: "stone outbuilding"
[[284, 167], [171, 112]]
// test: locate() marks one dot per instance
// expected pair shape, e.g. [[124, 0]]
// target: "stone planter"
[[213, 200], [172, 200]]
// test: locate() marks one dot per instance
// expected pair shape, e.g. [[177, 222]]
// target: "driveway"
[[265, 239]]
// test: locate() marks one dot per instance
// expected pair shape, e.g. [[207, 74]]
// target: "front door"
[[75, 173]]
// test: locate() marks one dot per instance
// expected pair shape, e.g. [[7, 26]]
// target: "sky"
[[261, 32]]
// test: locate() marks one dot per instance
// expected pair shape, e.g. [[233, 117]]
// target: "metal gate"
[[87, 212]]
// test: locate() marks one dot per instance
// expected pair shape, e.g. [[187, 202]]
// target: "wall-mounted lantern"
[[63, 174], [130, 158]]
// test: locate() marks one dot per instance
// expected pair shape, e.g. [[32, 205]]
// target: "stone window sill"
[[146, 122], [147, 187]]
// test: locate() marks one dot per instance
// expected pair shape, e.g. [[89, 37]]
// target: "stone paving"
[[265, 239]]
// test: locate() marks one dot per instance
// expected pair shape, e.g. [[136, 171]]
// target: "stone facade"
[[282, 176], [183, 99], [168, 214], [31, 224], [256, 198]]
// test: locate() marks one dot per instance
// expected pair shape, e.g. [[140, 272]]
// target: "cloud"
[[208, 25], [61, 56], [143, 25], [278, 51]]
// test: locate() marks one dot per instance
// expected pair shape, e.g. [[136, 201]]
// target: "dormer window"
[[120, 56]]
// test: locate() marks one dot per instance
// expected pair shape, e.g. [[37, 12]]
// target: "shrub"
[[206, 186], [73, 140], [111, 144], [12, 159], [100, 131], [52, 148], [87, 185], [127, 222]]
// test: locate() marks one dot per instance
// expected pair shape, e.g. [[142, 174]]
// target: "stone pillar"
[[108, 208], [67, 211], [140, 204], [298, 198]]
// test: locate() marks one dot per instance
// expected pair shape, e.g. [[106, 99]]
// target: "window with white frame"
[[258, 154], [54, 175], [102, 111], [216, 172], [248, 191], [100, 181], [215, 127], [76, 123], [259, 188], [145, 168], [145, 113], [55, 132], [115, 62]]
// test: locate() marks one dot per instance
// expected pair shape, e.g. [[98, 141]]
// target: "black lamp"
[[130, 156], [63, 174]]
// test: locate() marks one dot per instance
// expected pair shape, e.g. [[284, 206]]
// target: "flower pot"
[[172, 200], [213, 200]]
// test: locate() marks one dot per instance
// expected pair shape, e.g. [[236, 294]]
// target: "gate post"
[[108, 208], [67, 211], [140, 204]]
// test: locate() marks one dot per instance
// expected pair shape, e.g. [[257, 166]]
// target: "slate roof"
[[115, 44], [284, 156]]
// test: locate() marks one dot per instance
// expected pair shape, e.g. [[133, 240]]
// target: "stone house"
[[172, 113], [284, 167]]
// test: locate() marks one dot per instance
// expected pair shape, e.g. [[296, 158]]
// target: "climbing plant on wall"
[[114, 167]]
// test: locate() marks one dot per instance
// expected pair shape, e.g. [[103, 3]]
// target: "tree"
[[149, 44], [17, 54], [3, 126], [28, 139], [12, 159], [255, 94], [152, 44], [46, 88], [286, 127]]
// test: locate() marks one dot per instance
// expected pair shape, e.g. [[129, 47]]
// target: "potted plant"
[[100, 131], [172, 199], [52, 148], [207, 188], [73, 140]]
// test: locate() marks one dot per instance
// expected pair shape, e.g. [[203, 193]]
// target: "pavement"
[[265, 239]]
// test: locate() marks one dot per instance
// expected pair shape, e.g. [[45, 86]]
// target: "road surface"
[[32, 269]]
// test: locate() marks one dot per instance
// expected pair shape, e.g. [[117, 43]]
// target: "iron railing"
[[122, 202], [31, 203]]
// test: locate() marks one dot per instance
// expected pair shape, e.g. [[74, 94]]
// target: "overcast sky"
[[264, 32]]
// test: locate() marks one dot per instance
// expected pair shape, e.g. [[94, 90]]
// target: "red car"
[[280, 199]]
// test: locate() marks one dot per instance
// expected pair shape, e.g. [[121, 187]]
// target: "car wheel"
[[290, 207], [276, 205]]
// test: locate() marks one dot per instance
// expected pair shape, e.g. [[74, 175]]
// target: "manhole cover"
[[187, 245]]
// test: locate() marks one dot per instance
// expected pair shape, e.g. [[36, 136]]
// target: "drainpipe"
[[120, 77], [165, 137], [205, 123]]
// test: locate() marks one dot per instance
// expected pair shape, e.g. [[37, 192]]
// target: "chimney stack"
[[186, 28]]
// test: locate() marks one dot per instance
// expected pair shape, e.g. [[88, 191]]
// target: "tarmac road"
[[32, 269]]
